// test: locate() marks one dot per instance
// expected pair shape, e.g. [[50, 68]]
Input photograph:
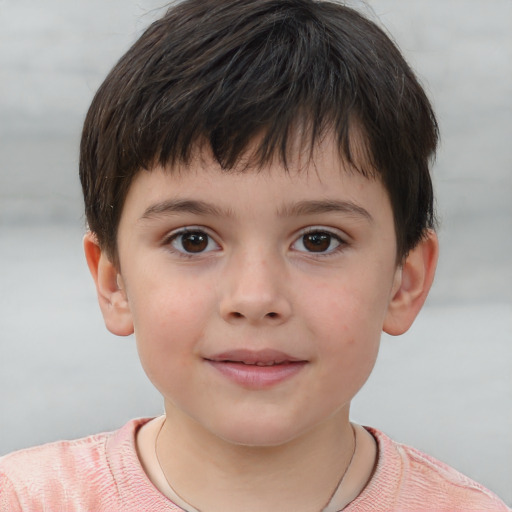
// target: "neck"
[[214, 475]]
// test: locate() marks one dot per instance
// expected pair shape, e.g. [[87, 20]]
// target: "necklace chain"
[[191, 509], [340, 482]]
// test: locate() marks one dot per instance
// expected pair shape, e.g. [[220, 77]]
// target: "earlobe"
[[413, 282], [109, 287]]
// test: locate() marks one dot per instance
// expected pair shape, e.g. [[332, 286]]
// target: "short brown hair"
[[229, 72]]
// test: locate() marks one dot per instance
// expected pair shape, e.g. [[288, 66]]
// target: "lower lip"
[[252, 376]]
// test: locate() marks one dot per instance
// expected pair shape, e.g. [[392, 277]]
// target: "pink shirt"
[[102, 473]]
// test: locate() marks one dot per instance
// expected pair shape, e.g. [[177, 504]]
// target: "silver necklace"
[[188, 508]]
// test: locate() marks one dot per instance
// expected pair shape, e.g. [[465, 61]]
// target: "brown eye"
[[193, 242], [317, 242]]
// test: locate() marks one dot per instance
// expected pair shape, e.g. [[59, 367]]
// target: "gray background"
[[445, 387]]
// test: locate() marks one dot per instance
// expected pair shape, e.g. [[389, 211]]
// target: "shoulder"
[[421, 482], [64, 474], [52, 455]]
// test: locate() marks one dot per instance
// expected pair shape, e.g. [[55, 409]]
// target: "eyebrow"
[[316, 207], [174, 206]]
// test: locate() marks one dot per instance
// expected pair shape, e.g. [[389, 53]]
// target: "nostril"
[[237, 315]]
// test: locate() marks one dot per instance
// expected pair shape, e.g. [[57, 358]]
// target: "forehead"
[[321, 175]]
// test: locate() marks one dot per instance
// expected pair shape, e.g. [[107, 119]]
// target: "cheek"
[[165, 343], [348, 321], [169, 319], [165, 302], [351, 348], [349, 311]]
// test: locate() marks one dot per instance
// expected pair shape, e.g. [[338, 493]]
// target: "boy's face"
[[258, 299]]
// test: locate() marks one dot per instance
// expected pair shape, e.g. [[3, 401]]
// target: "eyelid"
[[188, 229], [335, 232]]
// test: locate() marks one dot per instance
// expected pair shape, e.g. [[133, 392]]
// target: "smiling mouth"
[[255, 358], [256, 370], [256, 363], [261, 363]]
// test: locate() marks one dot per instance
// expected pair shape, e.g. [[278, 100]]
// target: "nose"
[[254, 292]]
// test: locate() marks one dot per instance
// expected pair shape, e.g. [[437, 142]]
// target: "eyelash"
[[173, 237]]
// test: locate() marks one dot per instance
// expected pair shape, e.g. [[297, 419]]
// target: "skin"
[[303, 262]]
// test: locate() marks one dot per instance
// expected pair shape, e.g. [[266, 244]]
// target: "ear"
[[109, 287], [412, 284]]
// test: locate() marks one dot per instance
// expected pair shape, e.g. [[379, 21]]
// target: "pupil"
[[317, 242], [195, 242]]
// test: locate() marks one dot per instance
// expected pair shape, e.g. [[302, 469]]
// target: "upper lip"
[[246, 356]]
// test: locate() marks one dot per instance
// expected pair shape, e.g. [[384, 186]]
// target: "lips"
[[267, 357], [256, 369]]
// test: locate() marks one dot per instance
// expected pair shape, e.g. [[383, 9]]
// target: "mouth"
[[259, 363], [256, 369], [255, 358]]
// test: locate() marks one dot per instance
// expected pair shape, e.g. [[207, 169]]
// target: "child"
[[256, 182]]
